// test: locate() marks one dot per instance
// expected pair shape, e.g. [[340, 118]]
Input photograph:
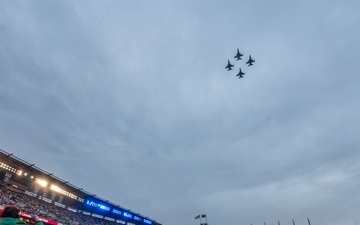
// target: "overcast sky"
[[131, 101]]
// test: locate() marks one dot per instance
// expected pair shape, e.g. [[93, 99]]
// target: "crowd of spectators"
[[30, 204]]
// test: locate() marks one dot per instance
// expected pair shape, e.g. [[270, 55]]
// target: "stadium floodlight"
[[55, 188], [42, 182]]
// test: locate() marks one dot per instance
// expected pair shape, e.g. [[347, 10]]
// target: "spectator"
[[10, 216]]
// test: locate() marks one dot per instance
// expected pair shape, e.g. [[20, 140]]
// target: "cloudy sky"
[[130, 100]]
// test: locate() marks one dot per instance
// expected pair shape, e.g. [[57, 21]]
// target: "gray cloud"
[[146, 109]]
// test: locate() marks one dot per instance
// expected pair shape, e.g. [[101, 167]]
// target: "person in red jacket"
[[10, 216]]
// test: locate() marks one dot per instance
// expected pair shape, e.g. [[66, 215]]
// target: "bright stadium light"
[[7, 167], [55, 188], [41, 182], [63, 192]]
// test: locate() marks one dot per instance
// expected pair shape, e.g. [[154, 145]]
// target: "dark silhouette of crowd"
[[33, 205]]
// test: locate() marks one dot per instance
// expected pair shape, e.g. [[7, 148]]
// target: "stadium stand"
[[55, 201]]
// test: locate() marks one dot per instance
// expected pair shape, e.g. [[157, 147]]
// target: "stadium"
[[55, 201]]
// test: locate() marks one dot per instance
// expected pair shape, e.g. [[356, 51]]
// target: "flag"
[[197, 217]]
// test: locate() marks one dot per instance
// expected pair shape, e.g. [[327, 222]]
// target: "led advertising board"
[[94, 205]]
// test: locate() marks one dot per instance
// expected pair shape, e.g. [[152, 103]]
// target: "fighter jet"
[[238, 55], [250, 61], [229, 66], [240, 74]]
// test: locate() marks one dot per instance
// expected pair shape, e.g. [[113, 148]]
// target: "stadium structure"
[[46, 187]]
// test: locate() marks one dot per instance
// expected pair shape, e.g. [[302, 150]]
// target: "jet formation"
[[238, 56]]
